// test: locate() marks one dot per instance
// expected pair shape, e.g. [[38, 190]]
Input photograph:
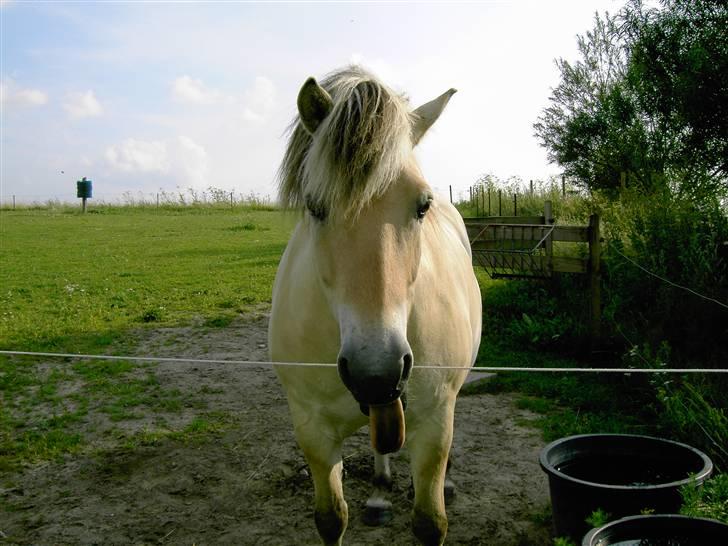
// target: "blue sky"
[[143, 96]]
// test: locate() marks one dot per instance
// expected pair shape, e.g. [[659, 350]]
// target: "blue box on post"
[[84, 188]]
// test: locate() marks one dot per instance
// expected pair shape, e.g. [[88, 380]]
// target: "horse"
[[377, 277]]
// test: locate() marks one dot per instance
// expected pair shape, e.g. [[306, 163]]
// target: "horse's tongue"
[[386, 427]]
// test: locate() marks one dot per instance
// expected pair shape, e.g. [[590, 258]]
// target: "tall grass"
[[568, 205], [211, 197]]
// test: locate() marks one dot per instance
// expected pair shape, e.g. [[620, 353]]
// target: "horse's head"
[[350, 163]]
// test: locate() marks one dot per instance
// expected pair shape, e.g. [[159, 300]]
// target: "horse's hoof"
[[449, 491], [378, 512]]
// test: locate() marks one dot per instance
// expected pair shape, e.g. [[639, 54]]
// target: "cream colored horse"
[[377, 277]]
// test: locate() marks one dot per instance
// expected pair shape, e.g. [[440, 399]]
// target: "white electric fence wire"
[[330, 365]]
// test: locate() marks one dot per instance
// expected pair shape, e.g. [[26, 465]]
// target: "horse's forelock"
[[356, 152]]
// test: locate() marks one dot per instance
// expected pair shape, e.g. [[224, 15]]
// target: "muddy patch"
[[232, 473]]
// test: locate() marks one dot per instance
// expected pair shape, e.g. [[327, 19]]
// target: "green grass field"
[[73, 282]]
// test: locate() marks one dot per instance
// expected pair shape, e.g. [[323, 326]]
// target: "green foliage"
[[598, 518], [696, 411], [679, 73], [540, 314], [563, 541], [708, 501], [677, 239]]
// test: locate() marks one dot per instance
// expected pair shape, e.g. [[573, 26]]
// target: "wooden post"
[[548, 215], [450, 194], [531, 183], [471, 195], [594, 279], [482, 197], [563, 185], [157, 199], [548, 219], [489, 213], [500, 203], [232, 205], [515, 204]]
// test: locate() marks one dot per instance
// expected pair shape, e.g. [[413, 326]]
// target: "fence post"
[[500, 203], [13, 202], [231, 200], [471, 195], [451, 194], [489, 213], [157, 200], [563, 186], [594, 279], [548, 219], [515, 204], [531, 183]]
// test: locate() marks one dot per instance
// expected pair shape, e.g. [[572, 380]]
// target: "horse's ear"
[[428, 113], [314, 104]]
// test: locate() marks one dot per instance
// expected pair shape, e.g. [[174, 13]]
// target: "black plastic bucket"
[[621, 474], [659, 529]]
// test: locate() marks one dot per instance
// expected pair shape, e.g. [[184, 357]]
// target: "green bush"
[[683, 242]]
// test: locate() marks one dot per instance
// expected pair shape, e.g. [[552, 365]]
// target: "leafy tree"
[[648, 98], [678, 71], [591, 127]]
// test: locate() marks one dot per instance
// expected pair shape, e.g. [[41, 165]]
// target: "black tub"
[[659, 529], [621, 474]]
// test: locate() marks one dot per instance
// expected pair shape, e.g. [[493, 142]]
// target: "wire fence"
[[331, 365]]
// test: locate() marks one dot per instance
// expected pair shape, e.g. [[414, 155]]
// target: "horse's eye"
[[423, 208], [316, 209]]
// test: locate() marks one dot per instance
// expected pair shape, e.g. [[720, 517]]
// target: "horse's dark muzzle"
[[375, 386], [365, 407]]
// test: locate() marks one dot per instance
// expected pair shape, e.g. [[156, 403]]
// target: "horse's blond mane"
[[356, 152]]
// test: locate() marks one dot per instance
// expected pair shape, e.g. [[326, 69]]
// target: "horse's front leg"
[[429, 449], [378, 510], [323, 453]]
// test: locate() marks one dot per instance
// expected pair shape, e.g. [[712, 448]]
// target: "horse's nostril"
[[407, 367], [343, 365]]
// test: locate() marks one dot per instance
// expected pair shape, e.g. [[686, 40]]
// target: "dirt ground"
[[248, 484]]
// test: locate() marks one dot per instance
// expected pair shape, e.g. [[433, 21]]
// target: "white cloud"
[[260, 100], [187, 89], [82, 105], [142, 156], [12, 95], [180, 158]]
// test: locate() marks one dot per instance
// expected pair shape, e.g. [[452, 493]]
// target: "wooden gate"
[[523, 247]]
